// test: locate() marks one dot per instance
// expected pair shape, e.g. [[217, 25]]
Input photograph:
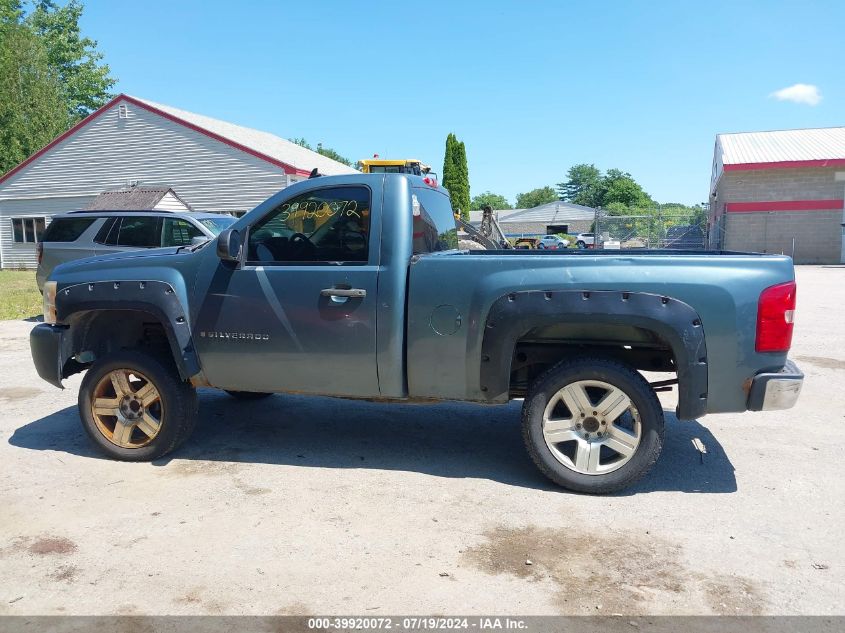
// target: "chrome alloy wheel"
[[127, 408], [591, 427]]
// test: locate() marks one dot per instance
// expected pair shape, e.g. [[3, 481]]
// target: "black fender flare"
[[156, 298], [676, 323]]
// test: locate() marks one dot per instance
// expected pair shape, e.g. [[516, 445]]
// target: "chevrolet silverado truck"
[[352, 286]]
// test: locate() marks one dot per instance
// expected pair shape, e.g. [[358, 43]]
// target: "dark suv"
[[81, 234]]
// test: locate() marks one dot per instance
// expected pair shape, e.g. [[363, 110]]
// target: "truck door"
[[298, 313]]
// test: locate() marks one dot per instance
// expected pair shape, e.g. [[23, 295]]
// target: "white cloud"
[[799, 93]]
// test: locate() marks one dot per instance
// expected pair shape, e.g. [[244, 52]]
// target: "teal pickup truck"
[[352, 286]]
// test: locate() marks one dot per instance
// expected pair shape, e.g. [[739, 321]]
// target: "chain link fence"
[[652, 229]]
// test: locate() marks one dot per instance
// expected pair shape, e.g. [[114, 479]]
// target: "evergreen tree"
[[456, 175], [449, 162]]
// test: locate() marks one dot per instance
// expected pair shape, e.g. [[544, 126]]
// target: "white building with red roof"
[[780, 192], [211, 165]]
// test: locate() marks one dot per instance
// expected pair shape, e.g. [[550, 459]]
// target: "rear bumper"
[[779, 390], [45, 344]]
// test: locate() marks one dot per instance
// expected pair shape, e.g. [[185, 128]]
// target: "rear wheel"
[[593, 425], [135, 407]]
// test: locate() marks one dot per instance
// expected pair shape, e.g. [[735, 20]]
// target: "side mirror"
[[229, 245]]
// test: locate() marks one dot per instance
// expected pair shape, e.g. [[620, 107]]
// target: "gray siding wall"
[[110, 151], [170, 203], [23, 255], [539, 228]]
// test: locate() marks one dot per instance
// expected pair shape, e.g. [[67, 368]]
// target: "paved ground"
[[322, 506]]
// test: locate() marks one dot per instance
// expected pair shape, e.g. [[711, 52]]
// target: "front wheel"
[[592, 425], [581, 244], [135, 407]]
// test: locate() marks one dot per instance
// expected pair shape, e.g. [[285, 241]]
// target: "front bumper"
[[778, 390], [45, 344]]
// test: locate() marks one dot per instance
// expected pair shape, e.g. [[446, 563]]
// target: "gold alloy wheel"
[[127, 408]]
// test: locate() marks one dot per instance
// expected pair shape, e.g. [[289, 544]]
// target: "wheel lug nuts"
[[577, 426]]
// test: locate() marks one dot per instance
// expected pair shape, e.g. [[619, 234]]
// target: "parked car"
[[553, 242], [585, 240], [81, 234], [354, 286]]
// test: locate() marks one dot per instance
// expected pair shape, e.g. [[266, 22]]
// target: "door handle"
[[343, 292]]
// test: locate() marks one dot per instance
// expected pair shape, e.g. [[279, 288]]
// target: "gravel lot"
[[317, 506]]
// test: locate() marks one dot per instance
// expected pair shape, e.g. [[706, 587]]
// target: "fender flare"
[[156, 298], [676, 323]]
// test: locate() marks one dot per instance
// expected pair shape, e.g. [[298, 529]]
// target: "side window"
[[67, 229], [434, 222], [325, 225], [178, 232], [139, 231], [27, 230], [103, 234]]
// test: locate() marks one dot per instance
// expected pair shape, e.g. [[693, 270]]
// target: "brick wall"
[[780, 184], [818, 234]]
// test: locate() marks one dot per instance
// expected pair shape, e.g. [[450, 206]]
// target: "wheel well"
[[97, 333], [543, 347]]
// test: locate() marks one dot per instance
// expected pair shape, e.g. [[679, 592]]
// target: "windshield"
[[216, 225], [408, 168]]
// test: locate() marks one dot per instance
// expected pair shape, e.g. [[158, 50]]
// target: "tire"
[[248, 395], [617, 451], [581, 244], [171, 403], [540, 246]]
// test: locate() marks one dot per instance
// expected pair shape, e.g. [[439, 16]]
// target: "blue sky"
[[531, 87]]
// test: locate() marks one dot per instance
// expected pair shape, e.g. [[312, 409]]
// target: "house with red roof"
[[780, 192], [208, 164]]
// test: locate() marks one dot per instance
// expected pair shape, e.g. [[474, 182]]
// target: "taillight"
[[775, 316], [39, 251]]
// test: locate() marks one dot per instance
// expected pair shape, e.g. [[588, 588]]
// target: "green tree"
[[449, 161], [619, 186], [495, 200], [456, 175], [583, 185], [301, 142], [84, 79], [536, 197], [32, 107], [10, 11], [328, 152]]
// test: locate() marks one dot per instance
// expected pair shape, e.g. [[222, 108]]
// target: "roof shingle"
[[132, 199]]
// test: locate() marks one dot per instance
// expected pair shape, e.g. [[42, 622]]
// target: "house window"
[[27, 230], [122, 112]]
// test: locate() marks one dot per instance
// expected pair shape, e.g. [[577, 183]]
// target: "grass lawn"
[[19, 296]]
